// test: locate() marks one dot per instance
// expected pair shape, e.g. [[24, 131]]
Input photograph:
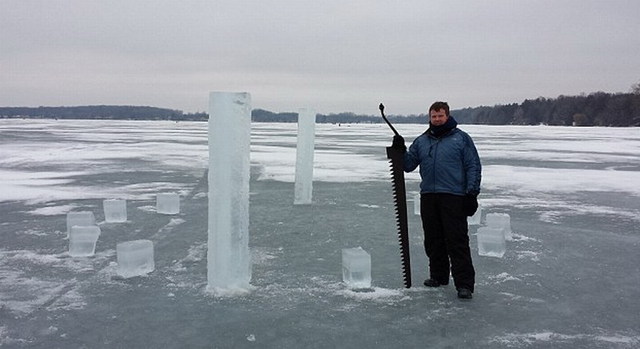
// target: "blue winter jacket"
[[449, 164]]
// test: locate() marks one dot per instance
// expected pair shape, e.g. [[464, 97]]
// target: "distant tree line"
[[115, 112], [260, 115], [595, 109]]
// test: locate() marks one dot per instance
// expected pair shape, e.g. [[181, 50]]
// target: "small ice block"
[[356, 268], [115, 210], [135, 258], [79, 218], [82, 240], [476, 219], [491, 242], [500, 220], [168, 203], [416, 204]]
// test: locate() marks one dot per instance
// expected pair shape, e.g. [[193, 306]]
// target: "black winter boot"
[[465, 293], [433, 283]]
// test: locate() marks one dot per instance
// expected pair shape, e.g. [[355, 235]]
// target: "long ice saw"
[[396, 159]]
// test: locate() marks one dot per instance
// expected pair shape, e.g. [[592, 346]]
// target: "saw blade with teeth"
[[396, 160]]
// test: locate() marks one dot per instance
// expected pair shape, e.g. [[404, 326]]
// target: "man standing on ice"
[[450, 170]]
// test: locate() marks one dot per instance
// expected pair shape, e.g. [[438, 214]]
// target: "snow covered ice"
[[115, 210], [84, 218], [168, 203], [82, 240], [356, 267], [135, 258], [568, 279]]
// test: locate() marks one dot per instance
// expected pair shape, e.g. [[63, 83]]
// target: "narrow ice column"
[[416, 204], [228, 256], [304, 157]]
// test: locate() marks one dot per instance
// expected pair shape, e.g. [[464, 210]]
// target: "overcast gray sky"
[[330, 55]]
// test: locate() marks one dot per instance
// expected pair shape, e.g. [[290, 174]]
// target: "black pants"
[[446, 239]]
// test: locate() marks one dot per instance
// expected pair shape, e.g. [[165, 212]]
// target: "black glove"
[[398, 143], [470, 204]]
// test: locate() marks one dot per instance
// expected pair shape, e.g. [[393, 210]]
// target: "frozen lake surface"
[[570, 277]]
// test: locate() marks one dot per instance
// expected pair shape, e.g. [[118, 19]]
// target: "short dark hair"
[[438, 106]]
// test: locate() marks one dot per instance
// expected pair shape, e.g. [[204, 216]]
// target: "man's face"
[[438, 117]]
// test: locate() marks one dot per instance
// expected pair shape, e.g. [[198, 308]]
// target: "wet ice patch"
[[261, 255], [23, 293], [552, 217], [195, 254], [166, 229], [560, 210], [595, 210], [185, 282], [552, 207], [71, 299], [515, 297], [6, 339]]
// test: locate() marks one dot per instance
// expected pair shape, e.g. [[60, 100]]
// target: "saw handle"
[[387, 121]]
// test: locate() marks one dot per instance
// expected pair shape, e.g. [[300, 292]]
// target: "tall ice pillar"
[[228, 255], [304, 157]]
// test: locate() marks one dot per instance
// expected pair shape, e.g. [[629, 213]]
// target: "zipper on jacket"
[[435, 153]]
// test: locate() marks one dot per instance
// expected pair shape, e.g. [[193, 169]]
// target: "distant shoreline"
[[596, 109]]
